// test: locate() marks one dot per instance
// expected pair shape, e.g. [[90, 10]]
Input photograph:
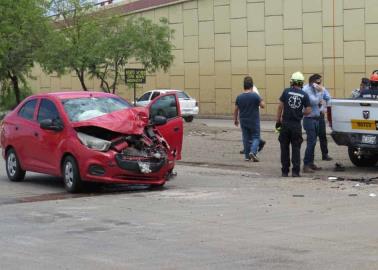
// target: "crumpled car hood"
[[127, 121]]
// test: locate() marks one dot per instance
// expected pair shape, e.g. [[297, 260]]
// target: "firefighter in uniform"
[[294, 103], [372, 91]]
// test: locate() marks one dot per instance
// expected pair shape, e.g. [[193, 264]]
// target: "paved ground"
[[218, 213], [217, 143]]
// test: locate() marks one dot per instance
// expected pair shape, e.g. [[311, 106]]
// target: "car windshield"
[[81, 109], [182, 95]]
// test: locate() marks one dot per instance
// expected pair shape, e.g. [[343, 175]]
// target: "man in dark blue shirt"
[[247, 110], [294, 103], [372, 91]]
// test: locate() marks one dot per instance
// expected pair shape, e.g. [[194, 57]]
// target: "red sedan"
[[93, 136]]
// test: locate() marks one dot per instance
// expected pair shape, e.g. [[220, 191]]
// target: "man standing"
[[365, 84], [247, 110], [311, 121], [322, 125], [372, 91], [293, 104]]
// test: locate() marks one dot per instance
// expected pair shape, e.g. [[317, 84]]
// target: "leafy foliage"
[[88, 42], [22, 30]]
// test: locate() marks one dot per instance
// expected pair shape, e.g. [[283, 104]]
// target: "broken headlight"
[[93, 142]]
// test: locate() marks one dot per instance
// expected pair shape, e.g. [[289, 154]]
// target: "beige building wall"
[[218, 42]]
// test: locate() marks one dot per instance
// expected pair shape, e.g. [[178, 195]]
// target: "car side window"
[[154, 95], [145, 96], [182, 95], [47, 110], [27, 111], [165, 106]]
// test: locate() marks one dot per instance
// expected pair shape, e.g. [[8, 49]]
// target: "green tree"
[[137, 38], [23, 25], [91, 42], [72, 46]]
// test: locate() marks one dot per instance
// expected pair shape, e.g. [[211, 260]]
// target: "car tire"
[[189, 118], [363, 160], [71, 175], [14, 171]]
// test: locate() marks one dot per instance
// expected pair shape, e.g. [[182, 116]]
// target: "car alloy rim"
[[68, 174], [12, 164]]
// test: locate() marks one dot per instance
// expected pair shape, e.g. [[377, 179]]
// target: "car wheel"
[[188, 118], [14, 171], [362, 160], [71, 175]]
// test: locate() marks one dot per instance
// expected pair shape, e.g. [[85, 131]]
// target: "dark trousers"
[[311, 126], [291, 133], [323, 136]]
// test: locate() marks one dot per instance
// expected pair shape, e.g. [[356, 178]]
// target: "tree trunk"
[[115, 78], [80, 75], [16, 87]]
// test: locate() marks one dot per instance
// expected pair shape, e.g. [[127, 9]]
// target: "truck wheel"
[[189, 118], [363, 160]]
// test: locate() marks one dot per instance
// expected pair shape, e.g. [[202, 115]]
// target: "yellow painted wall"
[[218, 42]]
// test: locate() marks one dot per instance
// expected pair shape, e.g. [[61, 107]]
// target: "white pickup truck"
[[354, 123]]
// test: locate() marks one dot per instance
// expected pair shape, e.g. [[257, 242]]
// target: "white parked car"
[[188, 105]]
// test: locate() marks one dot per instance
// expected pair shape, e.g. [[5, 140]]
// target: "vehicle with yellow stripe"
[[354, 123]]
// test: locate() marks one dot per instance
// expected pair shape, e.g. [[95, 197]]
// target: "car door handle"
[[176, 129], [16, 128], [36, 134]]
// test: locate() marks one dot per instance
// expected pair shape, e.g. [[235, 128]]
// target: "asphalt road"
[[216, 214]]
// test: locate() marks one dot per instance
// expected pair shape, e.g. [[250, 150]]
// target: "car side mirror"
[[159, 120], [50, 124]]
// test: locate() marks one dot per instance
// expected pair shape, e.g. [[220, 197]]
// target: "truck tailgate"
[[355, 115]]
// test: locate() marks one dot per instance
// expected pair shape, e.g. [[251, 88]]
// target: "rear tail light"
[[329, 115]]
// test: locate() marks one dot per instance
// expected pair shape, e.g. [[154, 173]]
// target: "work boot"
[[326, 157], [285, 174], [307, 169], [295, 174], [315, 168]]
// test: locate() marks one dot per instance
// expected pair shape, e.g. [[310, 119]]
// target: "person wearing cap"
[[247, 106], [293, 104], [365, 84], [315, 91], [372, 91]]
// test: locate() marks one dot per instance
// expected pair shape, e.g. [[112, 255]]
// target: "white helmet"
[[297, 77]]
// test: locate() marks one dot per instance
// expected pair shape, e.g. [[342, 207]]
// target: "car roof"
[[74, 94], [167, 90]]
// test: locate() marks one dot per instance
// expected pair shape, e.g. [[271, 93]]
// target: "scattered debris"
[[372, 195], [332, 178], [298, 195], [352, 195], [339, 167], [357, 185]]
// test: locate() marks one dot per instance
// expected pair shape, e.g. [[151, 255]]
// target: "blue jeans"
[[251, 138], [311, 126]]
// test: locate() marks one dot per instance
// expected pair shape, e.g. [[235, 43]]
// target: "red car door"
[[22, 126], [168, 105], [46, 150]]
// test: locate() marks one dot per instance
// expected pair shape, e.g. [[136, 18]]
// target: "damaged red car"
[[93, 136]]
